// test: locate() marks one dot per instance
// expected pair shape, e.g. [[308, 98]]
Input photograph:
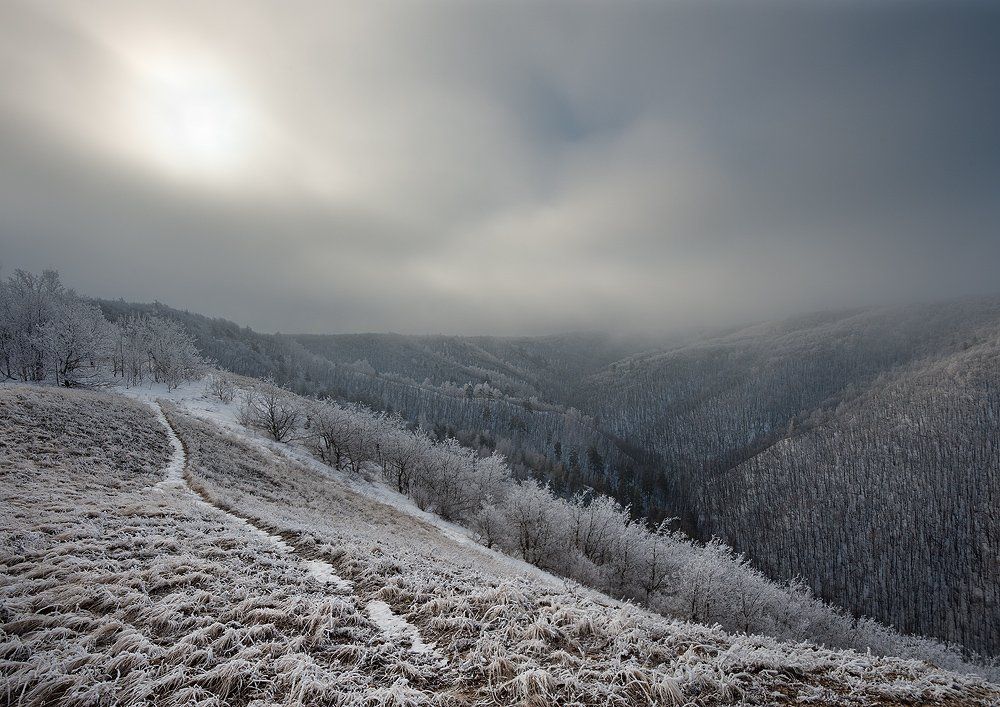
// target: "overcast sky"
[[502, 167]]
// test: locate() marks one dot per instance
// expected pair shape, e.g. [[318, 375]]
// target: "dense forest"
[[850, 448], [857, 451], [900, 486]]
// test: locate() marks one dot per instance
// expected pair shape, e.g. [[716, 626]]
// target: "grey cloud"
[[517, 167]]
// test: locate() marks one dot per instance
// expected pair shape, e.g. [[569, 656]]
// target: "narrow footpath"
[[394, 627]]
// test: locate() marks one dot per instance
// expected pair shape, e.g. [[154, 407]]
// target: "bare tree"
[[29, 302], [131, 346], [75, 341], [221, 387], [403, 452], [272, 411], [173, 356]]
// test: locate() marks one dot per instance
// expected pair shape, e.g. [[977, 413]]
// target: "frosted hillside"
[[681, 427], [157, 553]]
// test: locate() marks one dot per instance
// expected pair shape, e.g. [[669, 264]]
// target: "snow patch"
[[324, 574], [396, 627], [275, 540]]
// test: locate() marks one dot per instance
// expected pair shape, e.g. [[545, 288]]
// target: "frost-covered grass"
[[116, 591], [516, 635], [590, 539]]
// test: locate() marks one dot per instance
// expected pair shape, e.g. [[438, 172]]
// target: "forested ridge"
[[793, 441], [857, 451], [900, 487]]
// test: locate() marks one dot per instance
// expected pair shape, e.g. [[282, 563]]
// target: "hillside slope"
[[715, 402], [922, 448], [524, 429], [662, 428], [133, 571], [856, 450]]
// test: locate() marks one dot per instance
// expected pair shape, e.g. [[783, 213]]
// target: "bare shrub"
[[270, 410], [222, 387]]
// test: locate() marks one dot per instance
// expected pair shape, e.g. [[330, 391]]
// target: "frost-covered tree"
[[148, 347], [131, 344], [454, 481], [404, 451], [173, 356], [536, 528], [331, 431], [365, 438], [271, 411], [28, 304], [50, 333], [221, 386], [75, 340]]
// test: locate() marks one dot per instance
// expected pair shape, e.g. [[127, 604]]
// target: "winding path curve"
[[176, 478]]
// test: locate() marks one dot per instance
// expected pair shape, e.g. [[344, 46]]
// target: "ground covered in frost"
[[151, 559]]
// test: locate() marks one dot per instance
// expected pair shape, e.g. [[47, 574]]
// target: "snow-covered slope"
[[154, 553], [677, 428]]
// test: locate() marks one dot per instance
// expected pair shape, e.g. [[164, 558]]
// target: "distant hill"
[[890, 501], [545, 367]]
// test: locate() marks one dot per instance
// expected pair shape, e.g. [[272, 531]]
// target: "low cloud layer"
[[502, 167]]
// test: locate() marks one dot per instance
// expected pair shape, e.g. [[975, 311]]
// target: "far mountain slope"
[[890, 502], [856, 450], [546, 367]]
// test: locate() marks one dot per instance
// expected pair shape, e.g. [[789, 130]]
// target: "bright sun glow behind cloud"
[[189, 116]]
